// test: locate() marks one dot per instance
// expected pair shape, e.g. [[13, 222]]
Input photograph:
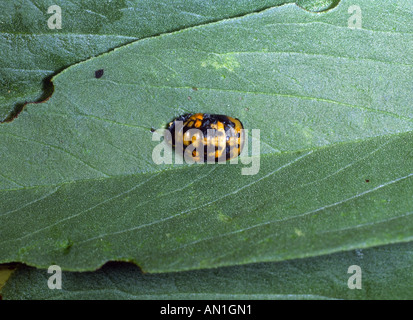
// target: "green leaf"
[[78, 185], [31, 52], [386, 273]]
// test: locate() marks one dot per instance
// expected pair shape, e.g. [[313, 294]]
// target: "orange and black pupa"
[[211, 137]]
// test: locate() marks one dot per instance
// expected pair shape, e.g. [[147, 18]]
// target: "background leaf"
[[385, 274], [31, 52], [334, 108]]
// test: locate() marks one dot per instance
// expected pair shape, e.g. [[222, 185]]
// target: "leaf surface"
[[31, 52], [78, 185], [385, 274]]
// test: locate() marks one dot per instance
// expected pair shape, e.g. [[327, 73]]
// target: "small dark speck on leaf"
[[195, 88], [367, 180], [99, 73], [153, 130]]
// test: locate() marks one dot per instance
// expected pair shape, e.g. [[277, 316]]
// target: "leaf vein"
[[204, 205], [86, 210], [294, 217], [31, 202], [55, 147]]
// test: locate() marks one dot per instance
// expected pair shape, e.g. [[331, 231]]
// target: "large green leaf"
[[31, 52], [386, 273], [334, 105]]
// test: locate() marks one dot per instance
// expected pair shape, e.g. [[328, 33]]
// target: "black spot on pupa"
[[98, 73]]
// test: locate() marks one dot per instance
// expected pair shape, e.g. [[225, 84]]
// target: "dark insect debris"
[[98, 73]]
